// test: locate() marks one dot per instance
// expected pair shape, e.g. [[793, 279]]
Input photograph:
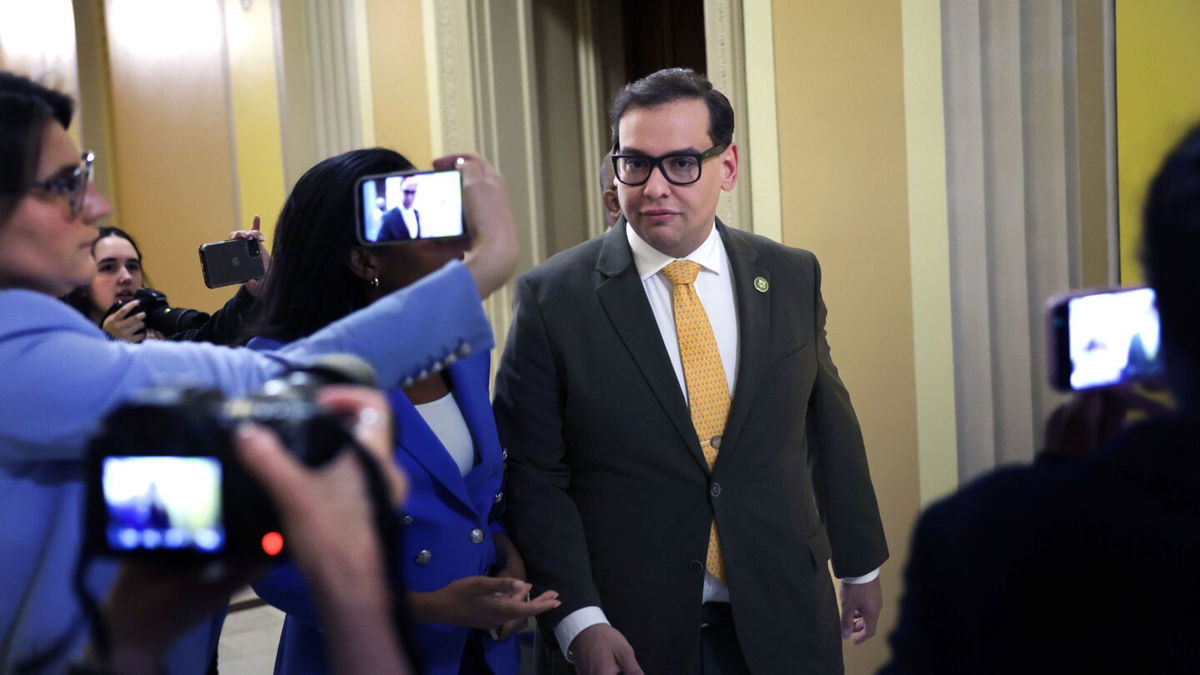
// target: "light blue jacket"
[[443, 511], [59, 376]]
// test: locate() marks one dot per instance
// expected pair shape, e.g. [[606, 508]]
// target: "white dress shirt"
[[714, 287]]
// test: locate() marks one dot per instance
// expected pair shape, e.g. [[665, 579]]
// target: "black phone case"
[[225, 263]]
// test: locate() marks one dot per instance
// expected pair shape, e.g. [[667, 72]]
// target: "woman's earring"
[[375, 282]]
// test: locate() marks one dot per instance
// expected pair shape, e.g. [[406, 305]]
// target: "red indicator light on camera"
[[272, 543]]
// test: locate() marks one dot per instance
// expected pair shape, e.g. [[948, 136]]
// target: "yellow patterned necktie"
[[704, 377]]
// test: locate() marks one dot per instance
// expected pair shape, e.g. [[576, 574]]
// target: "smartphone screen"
[[162, 503], [408, 206], [1106, 338]]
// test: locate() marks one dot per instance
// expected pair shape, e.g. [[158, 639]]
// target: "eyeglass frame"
[[657, 163], [77, 194]]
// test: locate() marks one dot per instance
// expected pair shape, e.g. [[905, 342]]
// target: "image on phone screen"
[[1113, 337], [410, 206], [162, 503]]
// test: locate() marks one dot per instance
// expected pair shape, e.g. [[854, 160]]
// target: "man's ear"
[[729, 167], [362, 263]]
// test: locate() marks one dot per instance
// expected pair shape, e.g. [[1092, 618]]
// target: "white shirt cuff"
[[573, 624], [864, 579]]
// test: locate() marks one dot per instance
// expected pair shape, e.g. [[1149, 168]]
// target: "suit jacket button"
[[715, 490], [695, 566], [464, 348], [477, 536], [406, 520], [423, 557]]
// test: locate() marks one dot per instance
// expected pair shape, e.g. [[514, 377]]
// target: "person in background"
[[462, 574], [120, 273], [62, 375], [1081, 566]]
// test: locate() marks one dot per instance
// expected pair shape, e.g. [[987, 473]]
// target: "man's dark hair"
[[1171, 256], [667, 86], [25, 108], [310, 283]]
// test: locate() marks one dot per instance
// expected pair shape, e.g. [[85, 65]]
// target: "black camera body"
[[163, 480], [160, 315]]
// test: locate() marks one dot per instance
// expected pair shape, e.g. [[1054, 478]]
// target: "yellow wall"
[[1158, 99], [172, 138], [254, 92], [399, 87], [839, 70]]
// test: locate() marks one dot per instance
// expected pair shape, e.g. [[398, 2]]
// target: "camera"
[[160, 316], [163, 480]]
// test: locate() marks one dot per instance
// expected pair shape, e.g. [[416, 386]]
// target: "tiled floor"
[[249, 639]]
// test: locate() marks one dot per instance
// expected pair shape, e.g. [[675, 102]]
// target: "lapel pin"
[[761, 284]]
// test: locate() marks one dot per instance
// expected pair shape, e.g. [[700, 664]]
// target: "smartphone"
[[229, 262], [1102, 338], [409, 206]]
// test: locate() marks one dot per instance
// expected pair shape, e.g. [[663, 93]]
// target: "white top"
[[714, 287], [446, 420]]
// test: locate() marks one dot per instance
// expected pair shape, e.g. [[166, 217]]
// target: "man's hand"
[[860, 610], [479, 602], [490, 223], [253, 285], [600, 649], [126, 324]]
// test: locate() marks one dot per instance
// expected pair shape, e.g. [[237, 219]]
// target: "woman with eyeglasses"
[[464, 581], [62, 375]]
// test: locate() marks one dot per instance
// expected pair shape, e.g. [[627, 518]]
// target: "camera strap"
[[389, 533]]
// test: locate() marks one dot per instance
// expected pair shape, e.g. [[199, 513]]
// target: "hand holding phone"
[[230, 262]]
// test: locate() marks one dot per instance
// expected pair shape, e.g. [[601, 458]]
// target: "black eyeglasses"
[[680, 168], [69, 183]]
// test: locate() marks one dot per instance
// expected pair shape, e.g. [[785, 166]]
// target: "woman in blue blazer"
[[464, 580]]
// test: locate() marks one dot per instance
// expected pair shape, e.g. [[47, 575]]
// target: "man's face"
[[410, 195], [674, 219]]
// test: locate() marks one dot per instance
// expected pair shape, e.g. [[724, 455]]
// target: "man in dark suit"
[[683, 458], [1081, 565], [402, 222]]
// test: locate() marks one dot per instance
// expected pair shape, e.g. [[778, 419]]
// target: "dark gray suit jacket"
[[610, 496]]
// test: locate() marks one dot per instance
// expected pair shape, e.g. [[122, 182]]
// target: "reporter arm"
[[433, 321], [226, 326]]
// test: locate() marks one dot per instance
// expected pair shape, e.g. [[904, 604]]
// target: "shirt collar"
[[650, 261]]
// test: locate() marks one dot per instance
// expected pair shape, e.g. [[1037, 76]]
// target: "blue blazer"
[[443, 511]]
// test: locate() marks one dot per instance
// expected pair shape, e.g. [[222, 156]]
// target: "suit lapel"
[[416, 438], [754, 322], [624, 300], [471, 393]]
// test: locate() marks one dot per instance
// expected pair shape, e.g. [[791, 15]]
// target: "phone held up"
[[234, 261], [409, 206], [1103, 338]]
